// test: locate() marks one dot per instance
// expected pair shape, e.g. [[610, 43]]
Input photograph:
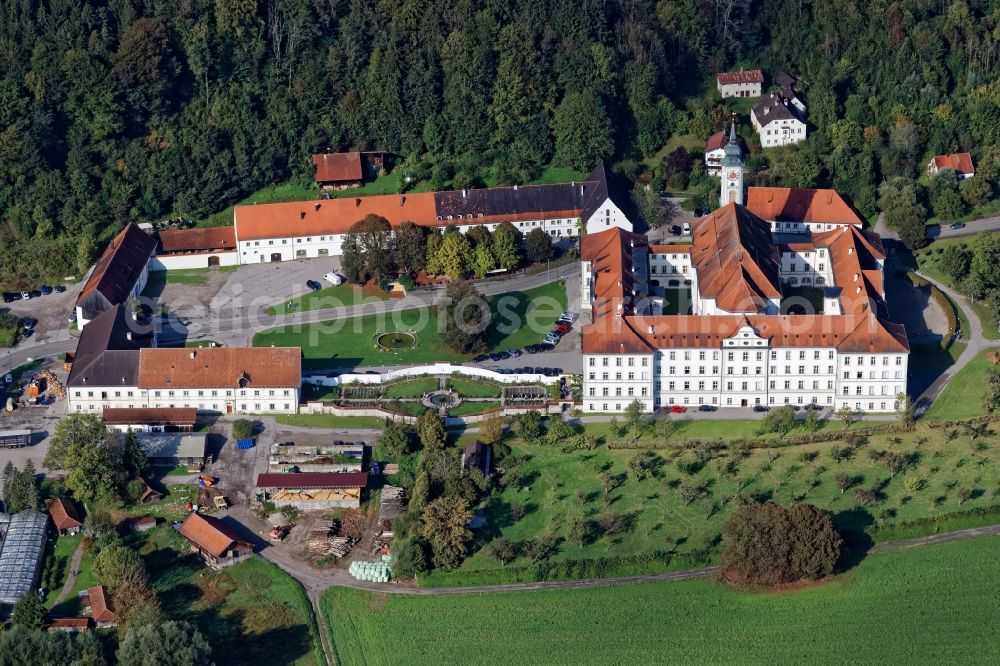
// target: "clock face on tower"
[[734, 175]]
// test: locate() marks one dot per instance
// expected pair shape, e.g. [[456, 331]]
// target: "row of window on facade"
[[858, 406], [213, 407], [186, 394]]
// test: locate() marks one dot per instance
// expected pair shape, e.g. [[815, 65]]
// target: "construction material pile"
[[391, 506], [324, 541], [51, 382]]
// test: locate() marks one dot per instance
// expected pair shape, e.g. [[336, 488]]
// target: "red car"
[[678, 409], [562, 329]]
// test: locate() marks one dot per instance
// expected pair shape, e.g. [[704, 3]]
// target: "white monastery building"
[[777, 121], [754, 335]]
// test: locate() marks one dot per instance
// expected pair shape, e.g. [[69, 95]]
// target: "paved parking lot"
[[51, 311]]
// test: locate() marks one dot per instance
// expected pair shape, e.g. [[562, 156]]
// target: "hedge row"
[[598, 567], [759, 442]]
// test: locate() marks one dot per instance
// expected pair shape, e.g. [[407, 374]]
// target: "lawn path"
[[74, 567]]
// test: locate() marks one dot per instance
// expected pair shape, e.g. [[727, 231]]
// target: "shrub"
[[242, 429], [767, 544]]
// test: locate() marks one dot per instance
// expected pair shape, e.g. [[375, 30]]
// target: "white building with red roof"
[[960, 163], [744, 83]]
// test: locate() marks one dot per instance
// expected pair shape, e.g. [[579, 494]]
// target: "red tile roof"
[[331, 216], [120, 265], [736, 262], [961, 163], [610, 254], [198, 240], [668, 248], [210, 534], [64, 513], [71, 623], [848, 333], [854, 258], [150, 415], [100, 606], [335, 167], [796, 204], [236, 367], [742, 76], [313, 480]]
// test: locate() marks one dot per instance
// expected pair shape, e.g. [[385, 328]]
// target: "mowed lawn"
[[936, 604], [519, 318], [965, 394], [330, 297]]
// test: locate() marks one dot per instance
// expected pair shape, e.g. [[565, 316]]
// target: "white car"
[[334, 279], [686, 229]]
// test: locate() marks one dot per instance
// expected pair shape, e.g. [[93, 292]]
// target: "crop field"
[[350, 342], [929, 605], [685, 496]]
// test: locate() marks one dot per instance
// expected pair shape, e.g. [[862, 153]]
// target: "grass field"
[[412, 389], [474, 389], [349, 342], [330, 297], [252, 612], [927, 261], [477, 407], [963, 397], [8, 336], [56, 573], [688, 494], [934, 604], [329, 421]]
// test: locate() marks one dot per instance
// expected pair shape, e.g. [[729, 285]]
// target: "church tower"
[[732, 171]]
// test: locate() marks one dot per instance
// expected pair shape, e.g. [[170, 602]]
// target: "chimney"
[[193, 354], [123, 380], [302, 215], [402, 200], [357, 201], [515, 188], [128, 335], [850, 250], [581, 189], [650, 330], [857, 290], [856, 276], [465, 193], [316, 207]]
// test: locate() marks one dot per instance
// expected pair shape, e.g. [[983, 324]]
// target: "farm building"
[[143, 524], [328, 458], [477, 455], [14, 439], [217, 543], [119, 274], [65, 515], [70, 625], [21, 554], [313, 490], [97, 601], [173, 448], [149, 494], [195, 248], [150, 419]]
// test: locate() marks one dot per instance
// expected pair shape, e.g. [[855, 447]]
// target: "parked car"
[[687, 228], [333, 278], [34, 293], [72, 317], [59, 288], [957, 225], [11, 296], [481, 358], [531, 349], [514, 353], [45, 289], [761, 408], [26, 295], [678, 409], [707, 408], [551, 340], [28, 322], [312, 284], [562, 329], [675, 230], [544, 346], [571, 316]]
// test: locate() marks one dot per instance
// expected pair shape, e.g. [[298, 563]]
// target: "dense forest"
[[136, 110]]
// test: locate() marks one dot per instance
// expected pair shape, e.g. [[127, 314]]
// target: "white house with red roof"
[[960, 163], [744, 83]]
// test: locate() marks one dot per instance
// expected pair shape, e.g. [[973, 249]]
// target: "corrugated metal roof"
[[21, 554]]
